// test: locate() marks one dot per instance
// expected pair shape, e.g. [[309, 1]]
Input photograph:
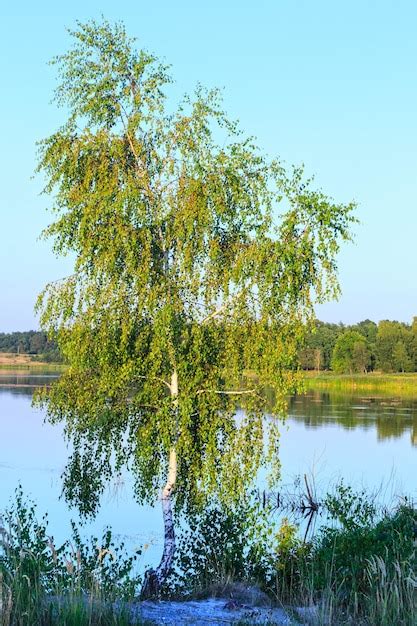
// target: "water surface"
[[369, 441]]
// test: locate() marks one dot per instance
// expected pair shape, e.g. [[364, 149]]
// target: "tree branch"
[[165, 382], [60, 280], [224, 306], [227, 392]]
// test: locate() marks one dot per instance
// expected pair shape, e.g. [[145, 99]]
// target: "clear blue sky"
[[331, 84]]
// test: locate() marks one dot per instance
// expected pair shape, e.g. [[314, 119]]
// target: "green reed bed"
[[33, 367], [387, 384]]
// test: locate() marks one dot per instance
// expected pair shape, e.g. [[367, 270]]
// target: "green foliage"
[[350, 353], [400, 357], [394, 347], [102, 565], [243, 544], [27, 563], [348, 548], [32, 568], [359, 567], [290, 557], [318, 345], [221, 545], [192, 250], [349, 508], [30, 342], [389, 346]]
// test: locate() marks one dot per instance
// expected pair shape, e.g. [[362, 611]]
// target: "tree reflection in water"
[[391, 416]]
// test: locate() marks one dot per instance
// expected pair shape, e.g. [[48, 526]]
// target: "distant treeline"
[[30, 342], [363, 347], [388, 347]]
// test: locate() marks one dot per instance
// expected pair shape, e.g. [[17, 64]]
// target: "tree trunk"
[[155, 578]]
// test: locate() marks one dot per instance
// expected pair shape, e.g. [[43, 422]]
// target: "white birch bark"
[[154, 578]]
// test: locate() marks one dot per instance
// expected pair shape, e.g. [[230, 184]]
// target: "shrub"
[[223, 544], [347, 548]]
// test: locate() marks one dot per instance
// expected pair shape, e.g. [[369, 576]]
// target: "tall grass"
[[360, 568], [33, 366], [76, 583], [374, 382], [389, 599]]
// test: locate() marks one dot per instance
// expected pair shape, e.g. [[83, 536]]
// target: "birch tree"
[[197, 263]]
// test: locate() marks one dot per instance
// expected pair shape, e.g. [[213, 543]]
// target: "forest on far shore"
[[33, 342], [388, 346]]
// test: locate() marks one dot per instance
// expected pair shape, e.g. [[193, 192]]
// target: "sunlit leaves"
[[193, 252]]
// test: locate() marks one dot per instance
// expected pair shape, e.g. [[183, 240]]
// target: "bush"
[[361, 564], [221, 545], [359, 568], [348, 547]]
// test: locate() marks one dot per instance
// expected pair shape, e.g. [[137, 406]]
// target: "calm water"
[[370, 442]]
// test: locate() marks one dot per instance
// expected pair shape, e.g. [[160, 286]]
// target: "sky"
[[328, 84]]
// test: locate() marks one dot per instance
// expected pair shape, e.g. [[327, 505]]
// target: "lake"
[[369, 441]]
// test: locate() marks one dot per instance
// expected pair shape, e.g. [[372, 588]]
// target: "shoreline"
[[394, 384]]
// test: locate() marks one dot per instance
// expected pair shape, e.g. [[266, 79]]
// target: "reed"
[[75, 584], [374, 382]]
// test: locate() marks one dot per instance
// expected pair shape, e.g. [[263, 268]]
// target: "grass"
[[32, 366], [69, 610], [374, 382], [78, 583]]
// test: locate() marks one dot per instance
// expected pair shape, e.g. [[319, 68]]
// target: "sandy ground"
[[212, 612], [10, 358]]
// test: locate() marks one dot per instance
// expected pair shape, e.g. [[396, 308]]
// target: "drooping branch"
[[224, 306], [62, 279], [161, 380], [227, 392]]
